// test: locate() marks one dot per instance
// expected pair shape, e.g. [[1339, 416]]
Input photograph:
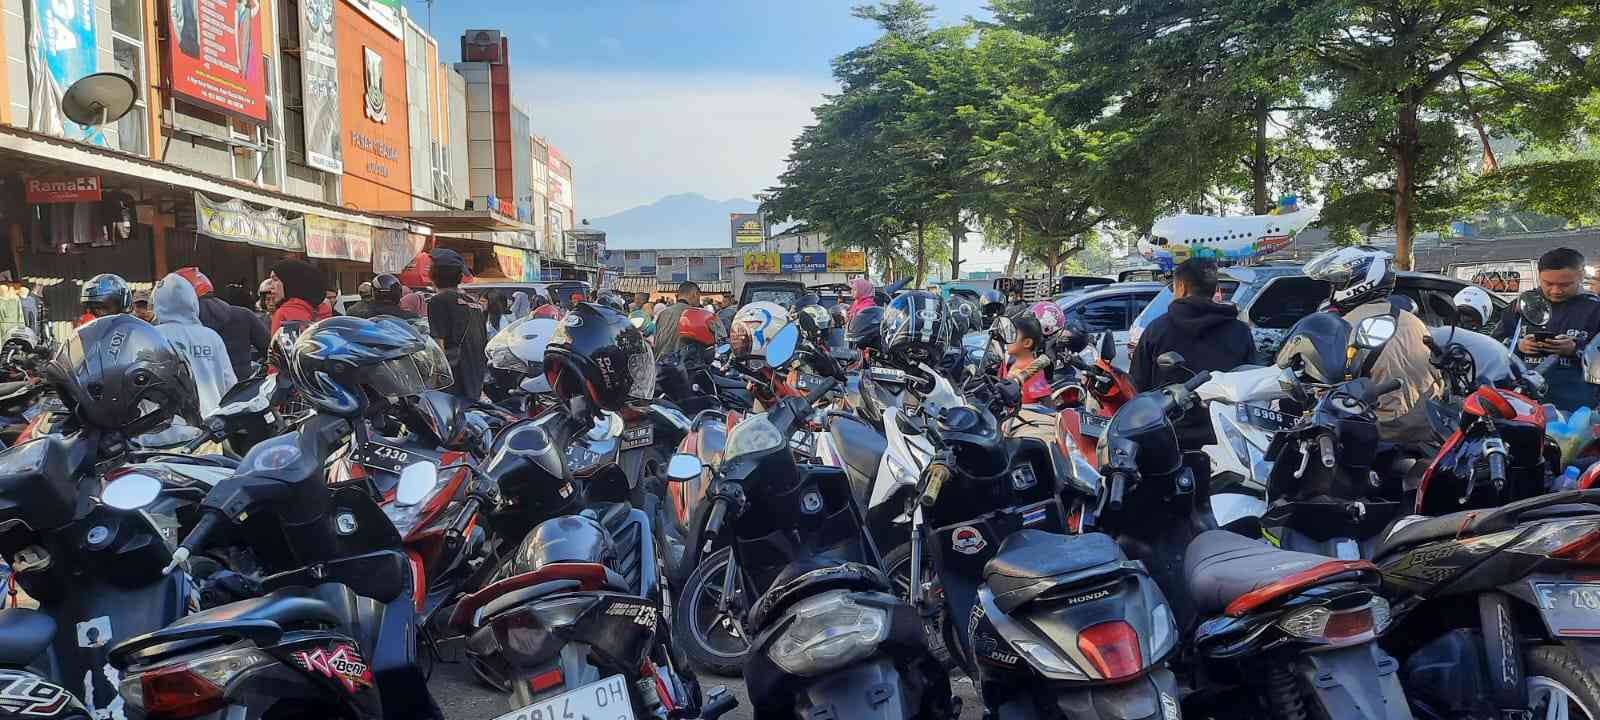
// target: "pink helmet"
[[1051, 319]]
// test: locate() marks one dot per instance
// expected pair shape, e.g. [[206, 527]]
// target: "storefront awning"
[[47, 155], [465, 221]]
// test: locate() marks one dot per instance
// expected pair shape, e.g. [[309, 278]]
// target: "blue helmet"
[[108, 292]]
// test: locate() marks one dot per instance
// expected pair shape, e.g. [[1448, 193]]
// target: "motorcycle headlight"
[[756, 434], [829, 631], [901, 470]]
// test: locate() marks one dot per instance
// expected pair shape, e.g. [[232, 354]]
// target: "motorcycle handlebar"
[[1200, 378], [822, 389], [1119, 487], [937, 475], [1387, 386], [714, 519], [196, 539]]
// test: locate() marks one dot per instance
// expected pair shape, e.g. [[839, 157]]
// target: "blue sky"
[[655, 97]]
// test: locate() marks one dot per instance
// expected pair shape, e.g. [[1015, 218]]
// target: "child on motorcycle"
[[1025, 360]]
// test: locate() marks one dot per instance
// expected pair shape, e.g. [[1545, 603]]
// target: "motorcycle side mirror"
[[1169, 360], [1535, 309], [1289, 383], [416, 481], [1108, 346], [780, 349], [131, 491], [1374, 331], [1004, 330], [684, 467]]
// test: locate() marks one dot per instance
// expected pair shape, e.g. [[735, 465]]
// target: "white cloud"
[[635, 137]]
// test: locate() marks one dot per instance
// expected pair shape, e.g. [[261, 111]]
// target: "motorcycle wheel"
[[712, 639], [1559, 686], [934, 627]]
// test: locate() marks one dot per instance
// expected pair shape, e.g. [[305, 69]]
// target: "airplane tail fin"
[[1286, 205]]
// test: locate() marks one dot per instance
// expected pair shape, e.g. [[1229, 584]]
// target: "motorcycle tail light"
[[1337, 628], [1576, 541], [191, 689], [1112, 648]]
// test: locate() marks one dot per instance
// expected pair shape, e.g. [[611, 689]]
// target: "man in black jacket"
[[1208, 334], [242, 331], [386, 294]]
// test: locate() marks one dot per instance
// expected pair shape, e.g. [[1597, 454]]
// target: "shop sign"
[[808, 262], [512, 262], [383, 13], [748, 228], [762, 263], [392, 250], [847, 261], [235, 221], [50, 190], [338, 239], [215, 57], [65, 34]]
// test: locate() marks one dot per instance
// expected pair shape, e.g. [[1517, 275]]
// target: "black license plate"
[[381, 456], [1572, 609], [1264, 418], [1093, 425], [638, 436], [807, 381]]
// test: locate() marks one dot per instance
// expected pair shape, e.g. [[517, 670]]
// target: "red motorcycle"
[[1088, 406]]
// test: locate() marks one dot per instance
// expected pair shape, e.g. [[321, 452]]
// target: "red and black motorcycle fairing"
[[1498, 454]]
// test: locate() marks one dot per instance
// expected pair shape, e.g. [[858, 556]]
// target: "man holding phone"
[[1574, 322]]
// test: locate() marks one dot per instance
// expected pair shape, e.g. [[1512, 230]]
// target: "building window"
[[256, 160], [127, 50], [630, 256]]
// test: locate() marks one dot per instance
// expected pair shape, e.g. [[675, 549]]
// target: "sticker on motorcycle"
[[967, 540], [340, 662], [24, 695], [1023, 478]]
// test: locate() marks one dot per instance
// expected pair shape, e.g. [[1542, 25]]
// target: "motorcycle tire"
[[934, 627], [1553, 672], [690, 624]]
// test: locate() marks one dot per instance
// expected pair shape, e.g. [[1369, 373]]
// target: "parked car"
[[782, 292], [1273, 297], [1110, 309], [1074, 283], [559, 291]]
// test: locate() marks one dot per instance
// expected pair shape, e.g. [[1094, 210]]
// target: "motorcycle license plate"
[[1093, 425], [380, 456], [1571, 609], [1264, 418], [806, 382], [638, 436], [604, 700]]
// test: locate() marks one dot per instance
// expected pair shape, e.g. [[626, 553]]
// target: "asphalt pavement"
[[462, 697]]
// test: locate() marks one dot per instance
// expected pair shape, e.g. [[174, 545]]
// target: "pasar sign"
[[48, 190]]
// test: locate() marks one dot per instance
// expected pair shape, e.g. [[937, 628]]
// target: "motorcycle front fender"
[[1360, 681]]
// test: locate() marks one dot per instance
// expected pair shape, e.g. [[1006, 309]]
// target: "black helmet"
[[965, 315], [915, 329], [614, 301], [118, 373], [108, 292], [864, 328], [993, 305], [599, 356], [341, 364], [1355, 276], [386, 289]]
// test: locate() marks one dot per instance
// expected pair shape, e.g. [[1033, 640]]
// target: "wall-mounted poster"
[[214, 56], [64, 44], [319, 85]]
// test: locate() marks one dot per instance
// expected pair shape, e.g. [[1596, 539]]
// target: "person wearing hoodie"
[[178, 319], [304, 292], [242, 331], [1208, 334]]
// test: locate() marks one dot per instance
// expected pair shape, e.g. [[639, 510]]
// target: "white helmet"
[[1356, 275], [754, 326], [519, 347], [1474, 307]]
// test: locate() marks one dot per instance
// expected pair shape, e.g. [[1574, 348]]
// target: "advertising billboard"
[[319, 85], [375, 134], [235, 221], [66, 45], [806, 262], [214, 56], [338, 239], [762, 263], [848, 261], [384, 13], [748, 228]]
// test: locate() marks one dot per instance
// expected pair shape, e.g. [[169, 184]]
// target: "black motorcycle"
[[1277, 633], [334, 632], [828, 638], [576, 619]]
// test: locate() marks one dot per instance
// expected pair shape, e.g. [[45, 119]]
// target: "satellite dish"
[[99, 99]]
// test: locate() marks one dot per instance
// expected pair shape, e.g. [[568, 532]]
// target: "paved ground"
[[462, 698]]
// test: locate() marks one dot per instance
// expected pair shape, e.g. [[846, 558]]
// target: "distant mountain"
[[687, 220]]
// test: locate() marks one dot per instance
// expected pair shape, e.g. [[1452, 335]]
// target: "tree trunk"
[[921, 272], [1490, 164], [1405, 193], [1258, 164], [958, 232], [1016, 249], [1052, 260]]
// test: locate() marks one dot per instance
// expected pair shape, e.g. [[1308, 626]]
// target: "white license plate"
[[604, 700], [1571, 609], [1093, 425]]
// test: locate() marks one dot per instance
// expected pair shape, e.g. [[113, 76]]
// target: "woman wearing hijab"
[[862, 289], [303, 293], [519, 305], [497, 312]]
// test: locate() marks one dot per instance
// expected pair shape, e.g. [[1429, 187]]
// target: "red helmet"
[[548, 312], [201, 283], [696, 325]]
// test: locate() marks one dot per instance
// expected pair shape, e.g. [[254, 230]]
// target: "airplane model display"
[[1228, 240]]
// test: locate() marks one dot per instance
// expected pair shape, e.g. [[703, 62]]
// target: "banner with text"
[[338, 239], [807, 262], [71, 189], [847, 261], [748, 229], [762, 263], [215, 57], [319, 85], [235, 221], [65, 35], [392, 250]]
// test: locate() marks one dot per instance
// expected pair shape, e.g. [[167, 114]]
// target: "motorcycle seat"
[[288, 608], [859, 445], [1031, 563], [810, 577], [1220, 567], [727, 382], [23, 635]]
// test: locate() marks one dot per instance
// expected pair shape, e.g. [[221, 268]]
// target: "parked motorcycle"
[[827, 636]]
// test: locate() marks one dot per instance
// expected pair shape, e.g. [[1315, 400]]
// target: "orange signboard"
[[47, 190], [375, 133], [215, 56]]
